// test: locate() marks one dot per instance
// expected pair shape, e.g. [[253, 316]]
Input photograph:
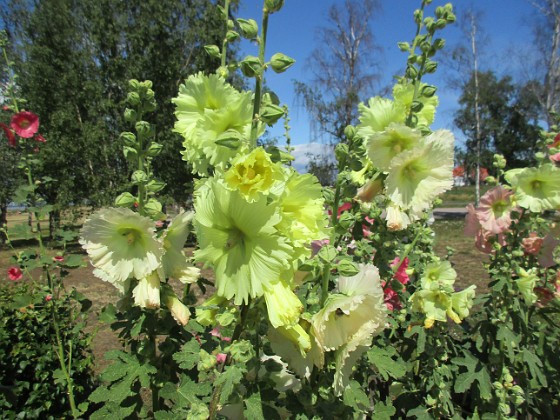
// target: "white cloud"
[[301, 152]]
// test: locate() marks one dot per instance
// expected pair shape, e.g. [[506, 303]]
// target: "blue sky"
[[292, 31]]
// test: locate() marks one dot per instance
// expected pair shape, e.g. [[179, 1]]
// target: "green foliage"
[[33, 385]]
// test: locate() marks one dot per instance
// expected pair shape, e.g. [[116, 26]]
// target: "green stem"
[[407, 251], [153, 385], [259, 78], [66, 371], [215, 401], [225, 41], [326, 276]]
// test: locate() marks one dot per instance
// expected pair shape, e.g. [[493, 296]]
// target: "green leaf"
[[122, 375], [254, 408], [356, 398], [535, 366], [189, 355], [476, 371], [21, 231], [382, 359], [421, 413], [384, 410], [230, 377], [73, 261]]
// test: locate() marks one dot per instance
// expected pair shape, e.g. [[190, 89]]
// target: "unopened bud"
[[280, 62], [251, 66], [249, 28], [272, 6], [213, 51]]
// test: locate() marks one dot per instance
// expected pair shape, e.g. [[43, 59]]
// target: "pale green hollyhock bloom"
[[350, 319], [283, 379], [377, 115], [253, 174], [174, 261], [302, 211], [178, 309], [240, 241], [462, 302], [283, 305], [417, 176], [433, 303], [346, 358], [207, 311], [526, 285], [146, 292], [383, 146], [438, 275], [235, 120], [359, 306], [121, 245], [536, 189], [297, 348], [404, 94], [198, 95], [397, 218]]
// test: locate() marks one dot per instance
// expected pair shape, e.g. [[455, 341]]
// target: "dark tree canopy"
[[74, 59], [508, 120]]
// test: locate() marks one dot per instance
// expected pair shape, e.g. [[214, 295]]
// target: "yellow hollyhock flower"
[[253, 174], [462, 302]]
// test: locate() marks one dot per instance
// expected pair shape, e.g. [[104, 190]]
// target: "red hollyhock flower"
[[9, 134], [25, 124], [15, 274]]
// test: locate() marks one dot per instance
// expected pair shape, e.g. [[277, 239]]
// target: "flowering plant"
[[323, 302]]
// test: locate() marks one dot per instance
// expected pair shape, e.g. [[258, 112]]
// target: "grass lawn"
[[461, 196]]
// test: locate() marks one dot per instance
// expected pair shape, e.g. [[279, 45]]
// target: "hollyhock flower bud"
[[221, 358], [48, 298], [15, 274], [58, 259]]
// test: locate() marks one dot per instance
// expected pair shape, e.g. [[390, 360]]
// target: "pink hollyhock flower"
[[9, 134], [556, 142], [48, 298], [555, 158], [483, 242], [400, 274], [494, 212], [341, 209], [15, 274], [544, 296], [392, 299], [472, 224], [215, 333], [221, 357], [25, 124], [533, 244]]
